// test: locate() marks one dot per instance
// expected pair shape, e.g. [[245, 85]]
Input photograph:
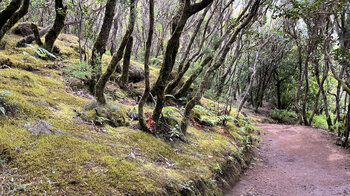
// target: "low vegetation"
[[54, 139]]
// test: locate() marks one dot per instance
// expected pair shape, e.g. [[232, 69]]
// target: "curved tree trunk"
[[185, 11], [54, 32], [249, 88], [6, 14], [15, 18], [147, 56], [216, 65], [232, 64], [99, 47], [101, 84]]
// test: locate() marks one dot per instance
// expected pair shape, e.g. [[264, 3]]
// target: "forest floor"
[[296, 160]]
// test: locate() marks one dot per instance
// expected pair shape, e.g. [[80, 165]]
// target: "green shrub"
[[320, 121], [79, 70], [284, 115], [3, 103]]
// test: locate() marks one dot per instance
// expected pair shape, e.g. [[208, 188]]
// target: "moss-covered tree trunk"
[[54, 32], [185, 11], [15, 18], [146, 65], [124, 78], [101, 84], [220, 60], [114, 32], [9, 11], [36, 34], [100, 44], [183, 69]]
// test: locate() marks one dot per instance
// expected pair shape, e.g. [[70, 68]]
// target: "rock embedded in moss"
[[23, 29], [136, 73], [42, 128], [113, 114]]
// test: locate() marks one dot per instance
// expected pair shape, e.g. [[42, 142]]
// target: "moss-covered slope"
[[75, 157]]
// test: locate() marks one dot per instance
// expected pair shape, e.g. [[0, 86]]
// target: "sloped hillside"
[[53, 142]]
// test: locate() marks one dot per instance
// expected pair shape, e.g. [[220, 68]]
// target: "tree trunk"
[[193, 37], [222, 79], [14, 18], [114, 33], [216, 65], [306, 91], [337, 102], [6, 14], [185, 11], [30, 38], [124, 79], [54, 32], [317, 98], [36, 34], [278, 91], [147, 56], [297, 93], [249, 88], [100, 44], [101, 84]]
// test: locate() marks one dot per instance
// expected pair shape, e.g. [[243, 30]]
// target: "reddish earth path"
[[296, 161]]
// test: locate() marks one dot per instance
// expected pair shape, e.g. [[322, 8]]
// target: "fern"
[[225, 118], [202, 109], [41, 52], [3, 99], [211, 117], [78, 70], [168, 111]]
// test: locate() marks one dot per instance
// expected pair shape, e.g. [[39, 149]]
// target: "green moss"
[[92, 160]]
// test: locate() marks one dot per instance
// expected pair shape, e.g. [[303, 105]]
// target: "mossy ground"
[[83, 160]]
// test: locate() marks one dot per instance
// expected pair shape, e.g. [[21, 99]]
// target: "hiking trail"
[[296, 160]]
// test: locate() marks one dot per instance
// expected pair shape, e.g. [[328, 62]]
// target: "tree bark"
[[146, 65], [6, 14], [232, 64], [36, 34], [114, 33], [15, 18], [249, 88], [185, 11], [100, 44], [216, 65], [124, 79], [297, 93], [101, 84], [54, 32]]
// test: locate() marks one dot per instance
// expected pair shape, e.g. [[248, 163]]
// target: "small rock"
[[42, 128]]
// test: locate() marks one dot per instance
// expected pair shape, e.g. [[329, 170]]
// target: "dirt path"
[[296, 161]]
